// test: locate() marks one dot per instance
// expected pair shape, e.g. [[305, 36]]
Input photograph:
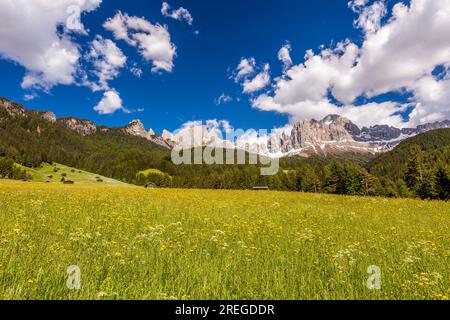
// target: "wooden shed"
[[261, 188]]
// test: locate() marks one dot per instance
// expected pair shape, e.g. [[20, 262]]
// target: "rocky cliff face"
[[427, 127], [387, 137], [82, 127], [330, 129], [333, 134], [14, 109], [136, 128], [48, 116], [336, 134], [166, 135]]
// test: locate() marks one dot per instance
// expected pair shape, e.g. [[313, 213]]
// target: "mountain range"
[[333, 135], [336, 135]]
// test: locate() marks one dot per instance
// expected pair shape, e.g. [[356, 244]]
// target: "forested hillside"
[[31, 140], [421, 163], [435, 146]]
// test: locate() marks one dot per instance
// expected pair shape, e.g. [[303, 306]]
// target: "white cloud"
[[245, 68], [409, 46], [397, 56], [29, 97], [181, 14], [357, 5], [366, 115], [137, 72], [152, 40], [107, 60], [29, 36], [223, 99], [284, 55], [259, 82], [370, 17], [433, 97], [110, 103]]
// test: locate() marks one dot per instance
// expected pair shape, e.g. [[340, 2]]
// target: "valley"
[[322, 156], [133, 243]]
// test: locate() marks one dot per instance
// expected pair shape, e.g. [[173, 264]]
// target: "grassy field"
[[133, 243], [43, 173]]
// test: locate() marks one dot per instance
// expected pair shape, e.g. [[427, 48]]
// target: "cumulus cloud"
[[370, 17], [137, 72], [357, 5], [181, 14], [152, 40], [411, 45], [244, 74], [245, 68], [433, 97], [29, 36], [107, 60], [284, 55], [223, 99], [110, 103], [259, 82], [397, 56]]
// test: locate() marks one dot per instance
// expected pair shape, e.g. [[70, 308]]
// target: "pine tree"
[[415, 172], [368, 183], [427, 188], [402, 189], [333, 178], [390, 189], [442, 181]]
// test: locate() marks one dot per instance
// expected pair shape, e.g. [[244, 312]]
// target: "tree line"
[[422, 179], [9, 170]]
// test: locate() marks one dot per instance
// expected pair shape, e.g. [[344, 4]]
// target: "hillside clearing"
[[133, 243], [53, 173]]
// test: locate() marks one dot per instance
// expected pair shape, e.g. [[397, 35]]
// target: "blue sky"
[[208, 52]]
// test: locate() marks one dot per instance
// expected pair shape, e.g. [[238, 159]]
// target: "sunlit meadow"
[[133, 243]]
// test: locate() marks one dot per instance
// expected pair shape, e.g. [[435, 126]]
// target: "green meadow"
[[134, 243], [53, 173]]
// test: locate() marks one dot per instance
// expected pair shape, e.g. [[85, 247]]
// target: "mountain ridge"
[[333, 135]]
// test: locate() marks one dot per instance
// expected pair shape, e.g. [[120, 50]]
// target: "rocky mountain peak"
[[167, 135], [334, 119], [339, 134], [332, 128], [136, 128], [48, 116]]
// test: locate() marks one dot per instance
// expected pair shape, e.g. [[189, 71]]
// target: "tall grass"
[[132, 243]]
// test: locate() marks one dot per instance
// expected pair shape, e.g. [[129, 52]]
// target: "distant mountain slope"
[[336, 135], [434, 144], [333, 136]]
